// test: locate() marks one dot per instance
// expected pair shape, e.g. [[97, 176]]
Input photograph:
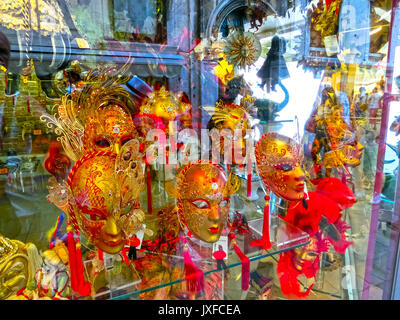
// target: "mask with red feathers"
[[300, 261], [321, 220]]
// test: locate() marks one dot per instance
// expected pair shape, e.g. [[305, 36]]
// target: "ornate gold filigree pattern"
[[242, 49]]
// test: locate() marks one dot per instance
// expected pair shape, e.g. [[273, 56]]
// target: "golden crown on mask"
[[164, 104]]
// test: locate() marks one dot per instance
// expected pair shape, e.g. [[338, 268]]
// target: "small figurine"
[[18, 265], [52, 279], [134, 242], [220, 255]]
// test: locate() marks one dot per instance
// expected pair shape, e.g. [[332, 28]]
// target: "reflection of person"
[[361, 103], [133, 243], [220, 255], [274, 68], [374, 105]]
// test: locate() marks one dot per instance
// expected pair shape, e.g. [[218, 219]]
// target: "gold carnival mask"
[[97, 117], [305, 256], [345, 148], [105, 190], [229, 119], [278, 162], [164, 104], [108, 130], [17, 266], [203, 192], [347, 155]]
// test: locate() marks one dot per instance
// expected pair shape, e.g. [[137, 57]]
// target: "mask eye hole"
[[201, 204], [284, 167], [95, 216], [125, 140], [127, 155], [102, 143], [312, 254], [224, 203]]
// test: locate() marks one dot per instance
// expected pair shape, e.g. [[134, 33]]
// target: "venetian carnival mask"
[[203, 192], [105, 190], [278, 162], [108, 130], [345, 148], [305, 257], [348, 154], [299, 261], [336, 136], [232, 122]]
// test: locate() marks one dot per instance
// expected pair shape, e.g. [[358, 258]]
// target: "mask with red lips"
[[105, 192], [278, 162], [203, 192]]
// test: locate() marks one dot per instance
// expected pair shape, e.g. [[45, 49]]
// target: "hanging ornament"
[[242, 49]]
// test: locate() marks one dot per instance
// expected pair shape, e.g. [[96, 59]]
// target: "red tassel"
[[78, 283], [84, 287], [265, 241], [28, 106], [249, 185], [149, 196], [245, 266], [249, 171], [100, 254], [72, 260], [193, 275]]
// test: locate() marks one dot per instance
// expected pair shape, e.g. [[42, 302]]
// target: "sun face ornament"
[[242, 49]]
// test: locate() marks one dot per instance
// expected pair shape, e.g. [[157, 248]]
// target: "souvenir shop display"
[[215, 150]]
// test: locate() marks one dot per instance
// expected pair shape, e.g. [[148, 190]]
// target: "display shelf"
[[285, 237]]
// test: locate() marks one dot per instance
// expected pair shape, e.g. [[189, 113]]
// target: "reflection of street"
[[27, 216]]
